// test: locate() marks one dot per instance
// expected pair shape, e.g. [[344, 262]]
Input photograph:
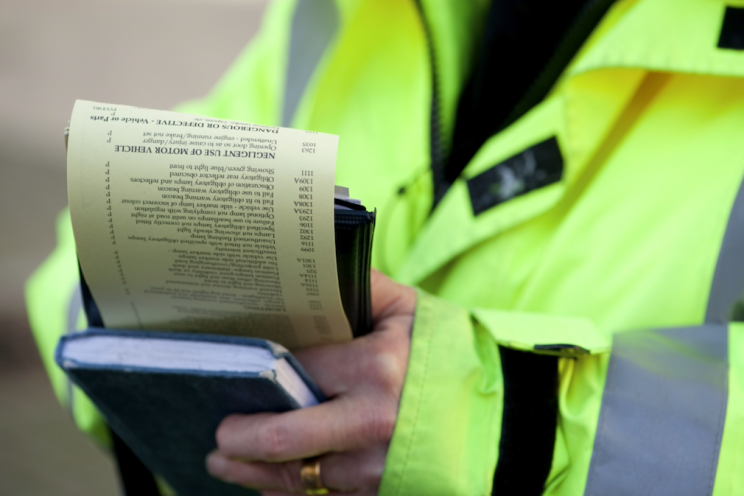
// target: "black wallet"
[[354, 232]]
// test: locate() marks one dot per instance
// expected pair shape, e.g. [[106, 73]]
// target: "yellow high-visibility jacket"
[[579, 281]]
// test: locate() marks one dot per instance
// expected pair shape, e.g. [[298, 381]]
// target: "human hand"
[[351, 432]]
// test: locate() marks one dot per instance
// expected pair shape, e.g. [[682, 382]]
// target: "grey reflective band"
[[73, 314], [726, 297], [663, 411], [314, 25]]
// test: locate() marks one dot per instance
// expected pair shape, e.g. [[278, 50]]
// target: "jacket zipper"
[[436, 144]]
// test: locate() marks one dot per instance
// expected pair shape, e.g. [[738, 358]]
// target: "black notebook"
[[186, 239], [165, 393]]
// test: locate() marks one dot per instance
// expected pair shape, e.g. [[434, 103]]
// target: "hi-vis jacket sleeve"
[[494, 404], [55, 308], [449, 431]]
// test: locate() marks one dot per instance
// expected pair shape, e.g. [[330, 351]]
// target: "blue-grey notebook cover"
[[168, 418]]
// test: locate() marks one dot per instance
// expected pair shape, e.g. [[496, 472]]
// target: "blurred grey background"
[[148, 53]]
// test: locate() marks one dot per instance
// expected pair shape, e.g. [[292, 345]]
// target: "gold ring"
[[310, 476]]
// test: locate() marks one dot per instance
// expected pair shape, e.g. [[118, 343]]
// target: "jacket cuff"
[[448, 429]]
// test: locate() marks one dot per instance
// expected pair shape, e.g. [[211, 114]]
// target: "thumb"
[[389, 298]]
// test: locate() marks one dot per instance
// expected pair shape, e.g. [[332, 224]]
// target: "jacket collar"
[[635, 38], [679, 36]]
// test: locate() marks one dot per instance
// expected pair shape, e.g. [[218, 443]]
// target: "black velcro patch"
[[732, 31], [536, 167]]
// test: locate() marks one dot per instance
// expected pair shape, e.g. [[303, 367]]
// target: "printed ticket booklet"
[[199, 225]]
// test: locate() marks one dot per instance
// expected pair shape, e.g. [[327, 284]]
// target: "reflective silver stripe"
[[663, 411], [727, 288], [73, 314], [314, 25]]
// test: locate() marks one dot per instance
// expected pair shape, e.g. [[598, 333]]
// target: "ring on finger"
[[312, 482]]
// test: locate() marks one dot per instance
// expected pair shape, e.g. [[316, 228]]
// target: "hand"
[[351, 432]]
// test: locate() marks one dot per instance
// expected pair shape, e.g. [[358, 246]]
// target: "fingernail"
[[216, 464]]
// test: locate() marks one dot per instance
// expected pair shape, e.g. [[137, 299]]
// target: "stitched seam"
[[601, 428], [418, 403], [494, 426], [720, 425], [717, 447]]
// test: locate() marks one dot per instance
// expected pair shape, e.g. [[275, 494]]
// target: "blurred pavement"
[[149, 53]]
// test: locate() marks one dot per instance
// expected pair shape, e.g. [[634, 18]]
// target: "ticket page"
[[195, 224]]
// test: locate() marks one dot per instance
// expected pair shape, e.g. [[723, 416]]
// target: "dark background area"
[[148, 53]]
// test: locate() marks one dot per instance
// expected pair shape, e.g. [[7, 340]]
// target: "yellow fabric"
[[648, 118], [729, 479], [452, 404], [48, 295]]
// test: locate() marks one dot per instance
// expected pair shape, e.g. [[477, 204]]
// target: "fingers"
[[373, 364], [258, 475], [340, 425], [341, 473], [390, 298], [330, 366], [340, 367], [347, 472], [364, 378]]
